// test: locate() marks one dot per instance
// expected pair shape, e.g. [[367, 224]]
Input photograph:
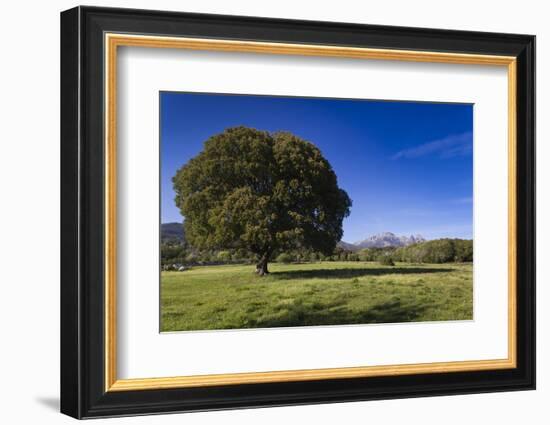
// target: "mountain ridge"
[[172, 232], [382, 240]]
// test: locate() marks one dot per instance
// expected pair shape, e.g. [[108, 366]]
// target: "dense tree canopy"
[[260, 191]]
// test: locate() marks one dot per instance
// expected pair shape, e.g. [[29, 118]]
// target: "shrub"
[[191, 257], [284, 258], [386, 260], [224, 256]]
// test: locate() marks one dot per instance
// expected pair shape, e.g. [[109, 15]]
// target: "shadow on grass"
[[350, 273], [299, 314]]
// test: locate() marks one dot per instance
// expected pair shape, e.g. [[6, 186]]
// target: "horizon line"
[[376, 234]]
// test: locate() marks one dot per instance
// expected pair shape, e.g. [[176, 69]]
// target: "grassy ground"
[[324, 293]]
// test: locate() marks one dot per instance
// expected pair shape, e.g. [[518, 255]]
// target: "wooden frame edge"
[[306, 375], [512, 212], [110, 213], [114, 40]]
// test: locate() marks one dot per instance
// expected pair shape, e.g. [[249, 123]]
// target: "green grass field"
[[323, 293]]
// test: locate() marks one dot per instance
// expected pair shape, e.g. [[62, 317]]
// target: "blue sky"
[[407, 166]]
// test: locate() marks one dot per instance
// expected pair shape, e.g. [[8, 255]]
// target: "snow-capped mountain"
[[381, 240]]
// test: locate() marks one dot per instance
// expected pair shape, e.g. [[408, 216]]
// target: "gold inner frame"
[[113, 41]]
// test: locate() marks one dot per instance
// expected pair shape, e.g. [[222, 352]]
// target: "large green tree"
[[264, 192]]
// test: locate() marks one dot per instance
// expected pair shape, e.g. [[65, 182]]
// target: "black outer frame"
[[82, 206]]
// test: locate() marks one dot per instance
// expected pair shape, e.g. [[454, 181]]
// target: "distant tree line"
[[434, 251]]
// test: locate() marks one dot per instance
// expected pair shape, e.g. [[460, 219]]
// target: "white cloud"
[[448, 147]]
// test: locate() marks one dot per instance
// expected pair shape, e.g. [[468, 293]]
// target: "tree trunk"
[[261, 266]]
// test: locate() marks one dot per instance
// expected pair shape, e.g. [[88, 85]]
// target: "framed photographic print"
[[261, 212]]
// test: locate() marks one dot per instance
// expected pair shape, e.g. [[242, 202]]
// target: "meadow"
[[309, 294]]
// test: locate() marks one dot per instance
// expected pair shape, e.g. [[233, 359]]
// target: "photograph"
[[300, 211], [287, 210]]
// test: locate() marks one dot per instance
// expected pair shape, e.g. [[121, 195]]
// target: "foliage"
[[224, 256], [386, 260], [284, 257], [321, 293], [437, 251], [313, 256], [263, 192]]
